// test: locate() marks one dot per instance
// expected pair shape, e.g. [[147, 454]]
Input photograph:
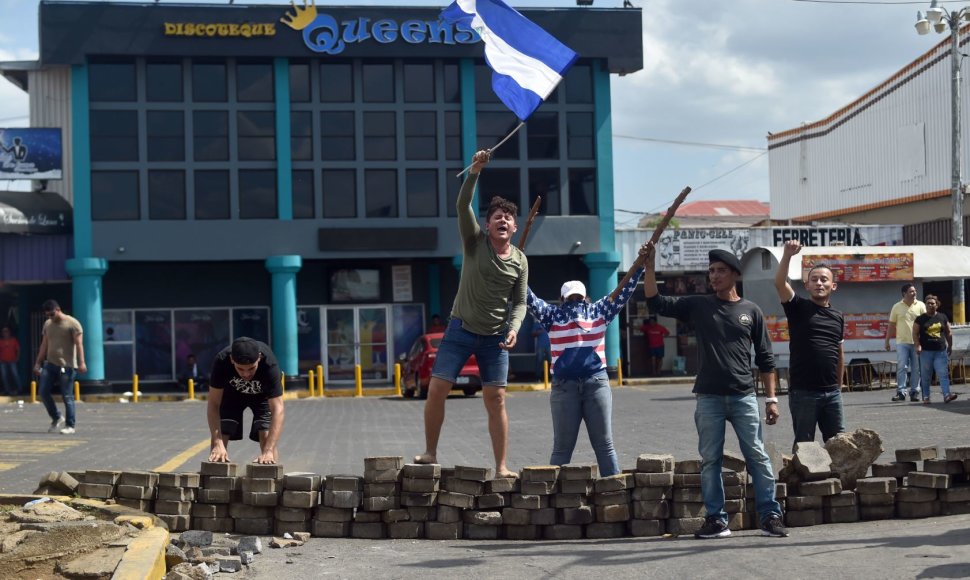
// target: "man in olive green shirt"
[[493, 273]]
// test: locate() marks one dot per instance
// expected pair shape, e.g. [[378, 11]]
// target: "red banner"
[[863, 267], [862, 326]]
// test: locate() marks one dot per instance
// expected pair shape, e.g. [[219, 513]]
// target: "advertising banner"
[[863, 267], [860, 326], [30, 153]]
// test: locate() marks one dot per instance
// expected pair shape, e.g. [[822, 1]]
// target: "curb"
[[145, 556]]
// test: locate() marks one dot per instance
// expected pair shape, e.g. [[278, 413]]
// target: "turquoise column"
[[81, 164], [602, 280], [457, 260], [283, 270], [434, 289], [602, 125], [86, 274], [469, 122], [284, 156]]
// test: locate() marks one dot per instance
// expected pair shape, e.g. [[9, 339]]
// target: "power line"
[[692, 143]]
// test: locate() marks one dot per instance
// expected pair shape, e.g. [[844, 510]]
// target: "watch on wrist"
[[771, 399]]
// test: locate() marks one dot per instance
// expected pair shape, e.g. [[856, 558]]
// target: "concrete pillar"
[[283, 270], [86, 274], [602, 280]]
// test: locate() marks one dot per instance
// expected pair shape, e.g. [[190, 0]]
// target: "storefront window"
[[543, 136], [301, 135], [303, 196], [211, 135], [545, 182], [380, 143], [202, 332], [337, 135], [211, 195], [153, 339], [114, 136], [166, 135], [579, 136], [257, 193], [308, 337], [254, 83], [256, 135], [299, 83], [378, 82], [339, 193], [166, 195], [452, 135], [251, 322], [112, 82], [422, 191], [380, 192], [420, 135], [209, 82], [492, 128], [579, 85], [582, 191], [419, 85], [337, 82], [115, 195], [163, 82], [452, 83]]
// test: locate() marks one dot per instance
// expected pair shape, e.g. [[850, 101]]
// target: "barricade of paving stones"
[[398, 500]]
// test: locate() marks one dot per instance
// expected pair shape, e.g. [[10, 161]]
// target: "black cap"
[[245, 351], [726, 257]]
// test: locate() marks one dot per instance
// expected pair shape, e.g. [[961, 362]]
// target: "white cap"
[[573, 287]]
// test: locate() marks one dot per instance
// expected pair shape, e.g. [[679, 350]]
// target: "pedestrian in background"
[[655, 334], [901, 319], [9, 355], [59, 360], [934, 345]]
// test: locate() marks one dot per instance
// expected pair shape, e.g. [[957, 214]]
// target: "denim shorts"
[[458, 344]]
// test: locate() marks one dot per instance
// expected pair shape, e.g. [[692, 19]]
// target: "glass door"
[[339, 344], [356, 335], [372, 342]]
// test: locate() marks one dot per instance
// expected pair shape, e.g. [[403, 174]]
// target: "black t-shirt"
[[726, 332], [932, 335], [266, 383], [816, 337]]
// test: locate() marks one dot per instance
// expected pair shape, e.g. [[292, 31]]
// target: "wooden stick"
[[528, 222], [657, 232]]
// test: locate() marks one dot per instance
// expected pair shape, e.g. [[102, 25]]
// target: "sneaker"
[[950, 398], [773, 527], [57, 425], [913, 397], [67, 431], [714, 527], [899, 397], [926, 401]]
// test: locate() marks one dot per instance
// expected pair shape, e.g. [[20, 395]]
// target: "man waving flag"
[[527, 62]]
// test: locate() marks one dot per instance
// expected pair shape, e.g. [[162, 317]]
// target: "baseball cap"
[[245, 351], [573, 287], [726, 257]]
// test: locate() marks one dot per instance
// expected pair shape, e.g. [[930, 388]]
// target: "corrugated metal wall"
[[34, 258], [50, 106], [932, 233], [890, 145]]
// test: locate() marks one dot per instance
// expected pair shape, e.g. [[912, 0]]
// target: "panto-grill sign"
[[224, 30]]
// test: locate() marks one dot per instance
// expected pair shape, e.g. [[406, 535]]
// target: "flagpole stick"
[[507, 137]]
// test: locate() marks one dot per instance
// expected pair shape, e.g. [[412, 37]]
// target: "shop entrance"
[[356, 335]]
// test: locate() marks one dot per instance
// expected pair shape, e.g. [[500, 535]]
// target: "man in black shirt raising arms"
[[816, 354], [727, 327]]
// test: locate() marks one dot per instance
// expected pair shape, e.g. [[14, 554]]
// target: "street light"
[[941, 19]]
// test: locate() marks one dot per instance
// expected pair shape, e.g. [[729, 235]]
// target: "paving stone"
[[475, 532], [216, 551], [812, 461], [176, 523], [405, 530], [396, 515], [381, 489], [542, 517], [943, 466], [214, 496], [686, 510], [528, 502], [409, 499], [955, 494], [190, 479], [876, 499], [830, 486], [175, 493], [926, 509], [195, 539], [582, 486], [687, 480], [342, 499], [419, 485], [502, 485], [362, 517], [844, 499], [381, 475], [897, 469], [218, 468], [329, 514], [513, 516], [955, 508], [138, 478], [877, 512], [222, 525], [803, 502], [519, 533], [577, 516], [730, 491], [923, 479], [734, 478], [618, 482], [482, 518], [288, 514], [612, 513], [464, 486], [264, 471], [871, 485], [101, 477], [916, 494], [135, 492], [916, 454], [261, 485], [246, 558], [961, 453], [421, 471], [651, 510], [602, 530], [804, 518], [562, 532], [655, 463], [473, 473], [144, 505], [781, 490], [688, 494], [227, 483], [491, 501], [300, 499], [253, 525], [734, 462], [322, 529], [96, 490], [688, 466], [377, 504], [448, 514], [540, 473], [422, 514], [840, 514], [578, 471], [100, 563], [261, 498], [174, 556], [343, 483], [382, 463], [612, 498], [645, 528], [538, 487], [173, 508], [568, 500], [442, 530], [684, 526], [663, 479], [652, 493], [301, 481], [240, 510], [229, 563]]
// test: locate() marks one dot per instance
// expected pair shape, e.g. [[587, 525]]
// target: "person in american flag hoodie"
[[580, 385]]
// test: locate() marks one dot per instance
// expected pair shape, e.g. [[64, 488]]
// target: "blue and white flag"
[[527, 62]]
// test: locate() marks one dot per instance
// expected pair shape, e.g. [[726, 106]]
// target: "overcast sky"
[[715, 71]]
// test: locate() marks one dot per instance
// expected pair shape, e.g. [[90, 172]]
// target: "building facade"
[[291, 175]]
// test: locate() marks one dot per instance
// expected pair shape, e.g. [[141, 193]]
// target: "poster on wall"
[[863, 267], [858, 326], [30, 153], [687, 248], [401, 283]]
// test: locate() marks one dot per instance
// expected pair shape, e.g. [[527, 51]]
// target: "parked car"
[[417, 364]]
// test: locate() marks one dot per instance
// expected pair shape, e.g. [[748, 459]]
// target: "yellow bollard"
[[33, 391], [191, 389], [619, 372], [310, 379], [320, 380], [358, 378], [77, 391], [134, 389], [545, 374], [397, 380]]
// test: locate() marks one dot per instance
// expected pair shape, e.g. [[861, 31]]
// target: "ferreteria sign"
[[324, 34], [223, 30]]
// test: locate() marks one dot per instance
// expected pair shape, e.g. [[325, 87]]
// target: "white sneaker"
[[67, 431], [57, 425]]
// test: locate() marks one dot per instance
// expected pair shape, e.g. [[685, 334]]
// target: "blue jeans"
[[52, 378], [907, 363], [9, 377], [574, 401], [458, 345], [811, 408], [934, 360], [710, 416]]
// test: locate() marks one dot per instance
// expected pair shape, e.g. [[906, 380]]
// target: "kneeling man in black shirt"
[[245, 375]]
